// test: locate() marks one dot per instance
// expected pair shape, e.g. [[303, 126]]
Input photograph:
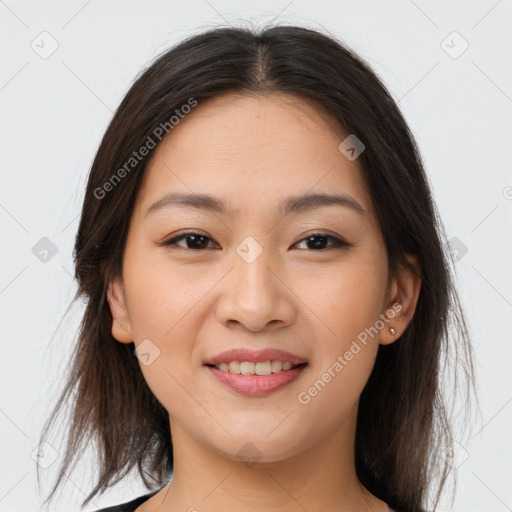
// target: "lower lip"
[[257, 385]]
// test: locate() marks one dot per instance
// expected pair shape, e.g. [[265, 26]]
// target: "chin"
[[253, 449]]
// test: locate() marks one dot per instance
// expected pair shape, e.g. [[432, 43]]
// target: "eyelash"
[[339, 244]]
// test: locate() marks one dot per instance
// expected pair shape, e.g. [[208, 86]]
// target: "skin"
[[252, 153]]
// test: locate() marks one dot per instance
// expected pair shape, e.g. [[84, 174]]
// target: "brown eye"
[[194, 241], [315, 242], [318, 241]]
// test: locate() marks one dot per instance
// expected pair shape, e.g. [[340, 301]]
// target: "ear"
[[121, 326], [401, 300]]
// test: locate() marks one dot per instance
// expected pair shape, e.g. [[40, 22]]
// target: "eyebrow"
[[289, 205]]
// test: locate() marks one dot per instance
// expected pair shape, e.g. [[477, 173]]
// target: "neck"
[[320, 477]]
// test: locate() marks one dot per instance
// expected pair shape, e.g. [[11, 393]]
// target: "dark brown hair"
[[399, 457]]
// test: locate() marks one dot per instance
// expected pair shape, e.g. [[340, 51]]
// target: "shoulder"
[[129, 506]]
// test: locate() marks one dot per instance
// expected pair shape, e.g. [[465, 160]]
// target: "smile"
[[260, 368], [256, 379]]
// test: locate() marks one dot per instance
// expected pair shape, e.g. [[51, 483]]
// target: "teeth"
[[233, 367], [261, 368]]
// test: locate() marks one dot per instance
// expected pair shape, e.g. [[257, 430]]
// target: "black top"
[[130, 506]]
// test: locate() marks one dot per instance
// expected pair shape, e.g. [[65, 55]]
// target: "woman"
[[268, 297]]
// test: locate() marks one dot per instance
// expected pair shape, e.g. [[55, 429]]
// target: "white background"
[[54, 112]]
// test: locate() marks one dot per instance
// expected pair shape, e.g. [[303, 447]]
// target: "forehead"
[[253, 151]]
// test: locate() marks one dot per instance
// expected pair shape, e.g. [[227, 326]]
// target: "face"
[[254, 275]]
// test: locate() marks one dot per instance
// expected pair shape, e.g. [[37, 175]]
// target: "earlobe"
[[404, 294], [121, 326]]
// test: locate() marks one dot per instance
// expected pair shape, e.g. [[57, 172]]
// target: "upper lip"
[[255, 356]]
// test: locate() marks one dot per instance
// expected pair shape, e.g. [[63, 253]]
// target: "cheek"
[[334, 391], [347, 338], [161, 293], [347, 300], [165, 308], [346, 344]]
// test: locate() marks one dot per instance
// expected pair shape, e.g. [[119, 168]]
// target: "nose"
[[255, 296]]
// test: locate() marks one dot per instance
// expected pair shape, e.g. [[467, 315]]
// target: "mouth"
[[250, 383], [256, 372], [245, 356], [260, 368]]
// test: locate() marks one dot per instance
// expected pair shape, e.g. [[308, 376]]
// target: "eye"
[[315, 241], [197, 241]]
